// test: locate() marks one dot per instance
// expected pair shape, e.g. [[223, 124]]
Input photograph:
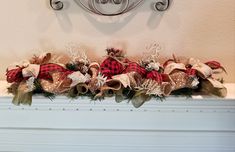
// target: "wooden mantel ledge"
[[205, 124]]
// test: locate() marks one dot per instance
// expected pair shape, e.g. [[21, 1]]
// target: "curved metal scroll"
[[162, 5], [56, 4], [94, 6]]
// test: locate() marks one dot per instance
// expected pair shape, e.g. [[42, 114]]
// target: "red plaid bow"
[[47, 69], [154, 75], [135, 67], [15, 75], [111, 67]]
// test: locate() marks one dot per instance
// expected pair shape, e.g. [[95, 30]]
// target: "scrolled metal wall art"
[[94, 6]]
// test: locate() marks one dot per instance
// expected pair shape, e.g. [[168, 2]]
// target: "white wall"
[[198, 28]]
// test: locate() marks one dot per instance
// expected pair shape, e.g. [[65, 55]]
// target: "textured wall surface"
[[198, 28]]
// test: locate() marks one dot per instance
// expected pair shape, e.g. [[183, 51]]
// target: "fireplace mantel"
[[174, 124]]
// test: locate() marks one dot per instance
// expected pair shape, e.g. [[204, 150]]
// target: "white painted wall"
[[199, 28]]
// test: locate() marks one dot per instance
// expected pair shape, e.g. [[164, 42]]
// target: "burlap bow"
[[109, 88], [205, 71], [182, 77], [23, 75], [27, 69]]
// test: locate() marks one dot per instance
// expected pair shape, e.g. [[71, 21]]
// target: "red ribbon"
[[191, 72], [167, 62], [110, 67], [47, 69], [15, 75], [213, 64], [135, 67], [154, 75]]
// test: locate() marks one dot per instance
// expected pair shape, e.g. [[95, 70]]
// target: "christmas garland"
[[116, 75]]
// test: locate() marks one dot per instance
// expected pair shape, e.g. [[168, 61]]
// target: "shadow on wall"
[[61, 17], [104, 24]]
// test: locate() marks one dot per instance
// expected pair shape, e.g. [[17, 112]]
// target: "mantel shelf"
[[169, 104], [174, 124]]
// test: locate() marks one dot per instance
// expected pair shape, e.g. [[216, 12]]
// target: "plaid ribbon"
[[110, 67], [15, 75], [135, 67], [47, 69], [154, 75]]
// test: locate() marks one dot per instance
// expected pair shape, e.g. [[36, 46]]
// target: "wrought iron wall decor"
[[94, 6]]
